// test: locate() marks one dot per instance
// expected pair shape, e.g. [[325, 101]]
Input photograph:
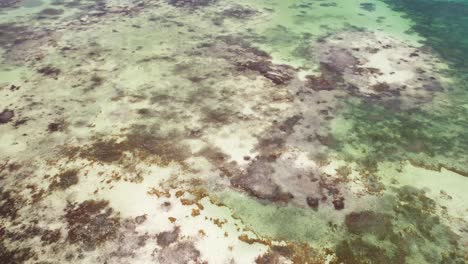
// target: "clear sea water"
[[220, 131]]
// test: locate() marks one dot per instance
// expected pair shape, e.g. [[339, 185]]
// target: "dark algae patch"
[[10, 204], [430, 138], [142, 144], [409, 231], [368, 222]]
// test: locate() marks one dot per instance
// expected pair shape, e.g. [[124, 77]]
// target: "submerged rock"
[[6, 116]]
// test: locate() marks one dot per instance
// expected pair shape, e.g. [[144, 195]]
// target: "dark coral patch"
[[15, 256], [10, 204], [91, 223], [412, 224], [51, 236]]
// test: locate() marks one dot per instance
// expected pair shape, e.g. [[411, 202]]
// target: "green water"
[[318, 131]]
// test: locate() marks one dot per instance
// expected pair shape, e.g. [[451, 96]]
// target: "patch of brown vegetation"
[[158, 193], [219, 222], [245, 238], [195, 212]]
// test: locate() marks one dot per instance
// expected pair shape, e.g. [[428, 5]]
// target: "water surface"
[[219, 131]]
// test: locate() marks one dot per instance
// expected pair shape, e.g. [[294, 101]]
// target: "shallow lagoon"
[[218, 131]]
